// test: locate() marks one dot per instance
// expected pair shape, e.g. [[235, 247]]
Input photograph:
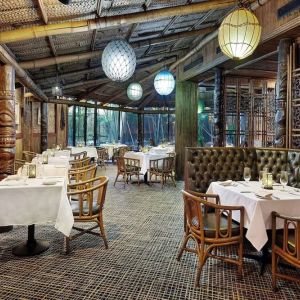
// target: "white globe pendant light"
[[239, 34], [118, 60], [164, 83], [134, 91]]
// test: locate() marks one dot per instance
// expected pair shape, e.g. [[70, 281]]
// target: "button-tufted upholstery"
[[204, 165]]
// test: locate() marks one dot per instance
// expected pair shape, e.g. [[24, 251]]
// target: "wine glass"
[[283, 179], [247, 174], [261, 177]]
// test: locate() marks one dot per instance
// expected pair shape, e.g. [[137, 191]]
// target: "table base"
[[32, 246]]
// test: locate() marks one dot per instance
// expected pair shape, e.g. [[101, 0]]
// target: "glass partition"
[[90, 126], [107, 126], [79, 133], [70, 125], [129, 129]]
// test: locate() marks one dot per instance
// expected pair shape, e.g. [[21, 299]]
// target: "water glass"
[[283, 179], [247, 174], [262, 175]]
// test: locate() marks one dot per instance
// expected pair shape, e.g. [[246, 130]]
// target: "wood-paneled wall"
[[28, 128]]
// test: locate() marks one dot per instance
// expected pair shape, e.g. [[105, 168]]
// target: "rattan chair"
[[83, 173], [128, 167], [285, 246], [18, 164], [120, 152], [29, 156], [163, 168], [211, 226], [88, 207], [78, 163], [79, 155], [102, 157]]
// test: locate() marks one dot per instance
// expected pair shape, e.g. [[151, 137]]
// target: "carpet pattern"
[[144, 229]]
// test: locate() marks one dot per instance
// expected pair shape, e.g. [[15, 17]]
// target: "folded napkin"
[[226, 183], [264, 194], [11, 183], [13, 177]]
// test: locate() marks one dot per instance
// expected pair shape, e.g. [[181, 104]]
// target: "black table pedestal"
[[32, 246]]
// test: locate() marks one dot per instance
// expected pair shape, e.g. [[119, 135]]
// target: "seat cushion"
[[75, 207], [209, 221], [291, 239]]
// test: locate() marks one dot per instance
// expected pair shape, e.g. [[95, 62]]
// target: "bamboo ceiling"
[[84, 79]]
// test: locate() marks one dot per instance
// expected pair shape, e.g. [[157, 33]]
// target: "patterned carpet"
[[144, 228]]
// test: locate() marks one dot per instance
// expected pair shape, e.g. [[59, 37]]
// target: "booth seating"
[[204, 165]]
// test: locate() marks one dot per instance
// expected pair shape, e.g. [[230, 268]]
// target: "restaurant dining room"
[[149, 149]]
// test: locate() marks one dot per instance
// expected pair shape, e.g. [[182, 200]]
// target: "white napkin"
[[226, 183], [11, 183], [264, 194], [13, 177]]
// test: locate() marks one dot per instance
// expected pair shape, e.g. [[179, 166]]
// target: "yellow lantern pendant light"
[[239, 33]]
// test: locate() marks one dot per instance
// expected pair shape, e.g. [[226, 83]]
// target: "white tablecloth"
[[52, 171], [162, 150], [91, 151], [57, 161], [110, 148], [58, 153], [36, 203], [258, 211], [144, 159]]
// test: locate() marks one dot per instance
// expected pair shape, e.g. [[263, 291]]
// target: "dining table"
[[36, 201], [63, 161], [91, 151], [110, 148], [259, 204]]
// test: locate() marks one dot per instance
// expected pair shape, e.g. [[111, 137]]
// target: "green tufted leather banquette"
[[204, 165]]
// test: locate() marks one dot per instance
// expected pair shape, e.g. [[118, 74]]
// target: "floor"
[[144, 227]]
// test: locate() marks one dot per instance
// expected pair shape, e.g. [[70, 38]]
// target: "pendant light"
[[164, 83], [239, 33], [134, 91]]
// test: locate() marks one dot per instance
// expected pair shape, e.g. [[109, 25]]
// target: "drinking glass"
[[261, 177], [283, 179], [24, 173], [247, 174]]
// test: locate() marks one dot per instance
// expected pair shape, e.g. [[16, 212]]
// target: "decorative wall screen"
[[249, 112]]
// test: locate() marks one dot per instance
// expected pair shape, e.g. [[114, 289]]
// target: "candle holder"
[[31, 171], [45, 159], [268, 184]]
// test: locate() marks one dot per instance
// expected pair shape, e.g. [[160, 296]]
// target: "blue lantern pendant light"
[[134, 91], [164, 83]]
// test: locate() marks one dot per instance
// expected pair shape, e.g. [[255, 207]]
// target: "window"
[[90, 126], [70, 125], [129, 129]]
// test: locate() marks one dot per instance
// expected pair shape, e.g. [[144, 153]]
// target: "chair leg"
[[102, 231], [66, 245], [240, 266], [172, 177], [274, 271], [183, 246], [162, 181], [201, 261], [116, 179]]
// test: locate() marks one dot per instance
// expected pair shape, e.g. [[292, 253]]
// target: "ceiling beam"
[[22, 75], [44, 62], [92, 105], [99, 7], [43, 11], [39, 31]]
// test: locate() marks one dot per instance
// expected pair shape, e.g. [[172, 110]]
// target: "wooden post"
[[95, 125], [140, 130], [281, 93], [44, 126], [85, 125], [186, 100], [74, 126], [7, 120], [219, 120]]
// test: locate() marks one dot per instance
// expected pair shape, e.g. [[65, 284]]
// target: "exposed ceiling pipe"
[[209, 38], [109, 22], [44, 62], [22, 75]]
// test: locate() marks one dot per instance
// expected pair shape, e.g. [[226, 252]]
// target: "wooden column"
[[74, 126], [140, 130], [85, 125], [186, 122], [281, 93], [44, 126], [219, 113], [95, 125], [7, 120]]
